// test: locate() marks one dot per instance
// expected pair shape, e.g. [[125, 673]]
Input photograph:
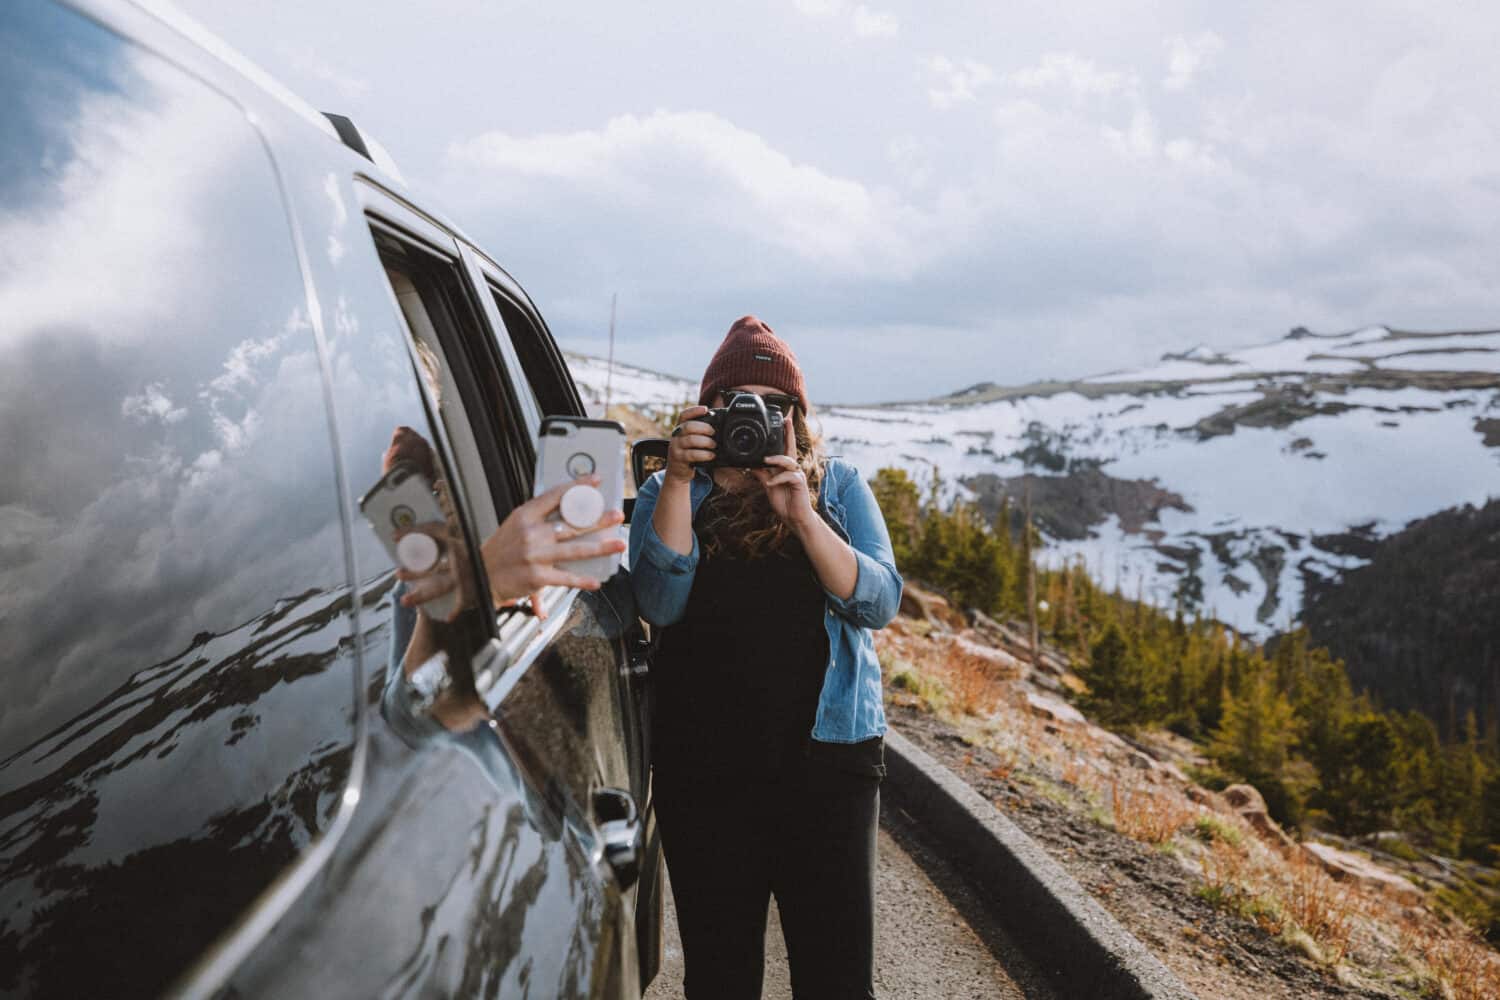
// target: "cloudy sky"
[[923, 196]]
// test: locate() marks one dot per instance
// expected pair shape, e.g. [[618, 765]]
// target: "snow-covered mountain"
[[1221, 478]]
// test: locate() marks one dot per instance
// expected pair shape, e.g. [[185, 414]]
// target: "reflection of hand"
[[450, 572], [521, 557], [692, 441]]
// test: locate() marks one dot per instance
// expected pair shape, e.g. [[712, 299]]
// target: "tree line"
[[1281, 715]]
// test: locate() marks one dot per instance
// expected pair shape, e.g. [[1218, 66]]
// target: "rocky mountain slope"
[[1207, 880], [1228, 480]]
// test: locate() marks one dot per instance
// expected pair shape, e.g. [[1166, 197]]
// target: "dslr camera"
[[746, 430]]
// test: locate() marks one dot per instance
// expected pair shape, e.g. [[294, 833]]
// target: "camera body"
[[746, 431]]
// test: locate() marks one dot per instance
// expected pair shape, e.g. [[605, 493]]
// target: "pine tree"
[[900, 503], [1254, 737]]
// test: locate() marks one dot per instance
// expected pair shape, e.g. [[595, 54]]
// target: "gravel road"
[[934, 938]]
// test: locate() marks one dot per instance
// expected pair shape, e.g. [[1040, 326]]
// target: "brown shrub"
[[1460, 960], [971, 684], [1320, 906], [1147, 815]]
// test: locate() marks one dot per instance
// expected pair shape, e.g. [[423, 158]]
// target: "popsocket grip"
[[416, 552], [582, 505]]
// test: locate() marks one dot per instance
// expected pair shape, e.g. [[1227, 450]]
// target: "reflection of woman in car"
[[767, 734], [520, 558]]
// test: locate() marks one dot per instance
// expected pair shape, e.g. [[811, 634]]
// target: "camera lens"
[[745, 439]]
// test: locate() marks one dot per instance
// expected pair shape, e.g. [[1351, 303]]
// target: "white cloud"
[[240, 367], [1138, 139], [316, 67], [956, 81], [699, 168], [1338, 169], [1186, 56], [1079, 76], [819, 8], [874, 23], [912, 160], [152, 403]]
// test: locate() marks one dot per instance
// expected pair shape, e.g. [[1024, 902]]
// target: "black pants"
[[809, 840]]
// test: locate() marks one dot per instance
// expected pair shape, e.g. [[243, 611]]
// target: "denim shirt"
[[849, 707]]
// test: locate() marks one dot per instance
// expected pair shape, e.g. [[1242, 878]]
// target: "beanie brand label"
[[764, 357]]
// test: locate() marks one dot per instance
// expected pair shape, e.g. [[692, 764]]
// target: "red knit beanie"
[[752, 355]]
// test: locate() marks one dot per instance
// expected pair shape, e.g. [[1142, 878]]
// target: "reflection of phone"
[[569, 447], [402, 500]]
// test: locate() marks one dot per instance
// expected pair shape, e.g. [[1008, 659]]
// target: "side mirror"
[[647, 457]]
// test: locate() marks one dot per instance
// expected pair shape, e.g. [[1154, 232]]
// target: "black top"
[[738, 678]]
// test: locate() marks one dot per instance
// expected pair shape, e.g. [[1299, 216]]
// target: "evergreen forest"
[[1282, 715]]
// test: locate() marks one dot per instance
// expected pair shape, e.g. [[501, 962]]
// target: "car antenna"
[[609, 372]]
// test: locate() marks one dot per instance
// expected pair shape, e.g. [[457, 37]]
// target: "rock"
[[1248, 802], [1047, 682], [1004, 661], [1204, 797], [1174, 772], [1140, 761], [1053, 663], [988, 660], [1345, 866], [1243, 797], [1054, 709], [927, 606]]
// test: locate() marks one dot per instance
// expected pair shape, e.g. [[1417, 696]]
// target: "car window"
[[475, 408], [546, 376], [179, 718]]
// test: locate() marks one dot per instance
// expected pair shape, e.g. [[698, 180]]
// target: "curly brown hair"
[[740, 523]]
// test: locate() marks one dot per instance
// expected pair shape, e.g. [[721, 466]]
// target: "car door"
[[475, 865], [180, 733], [594, 679]]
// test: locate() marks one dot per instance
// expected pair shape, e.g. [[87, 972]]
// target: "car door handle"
[[620, 832], [640, 655]]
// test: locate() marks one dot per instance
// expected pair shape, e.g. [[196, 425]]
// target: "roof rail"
[[349, 134]]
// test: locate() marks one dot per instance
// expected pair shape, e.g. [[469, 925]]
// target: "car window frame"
[[496, 281], [520, 637]]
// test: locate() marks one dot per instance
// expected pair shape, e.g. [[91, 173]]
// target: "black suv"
[[214, 315]]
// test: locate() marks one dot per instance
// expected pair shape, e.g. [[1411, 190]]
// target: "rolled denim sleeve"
[[877, 589], [661, 577]]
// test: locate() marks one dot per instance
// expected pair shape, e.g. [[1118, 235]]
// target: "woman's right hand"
[[521, 557], [692, 442]]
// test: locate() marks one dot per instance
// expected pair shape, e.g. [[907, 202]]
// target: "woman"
[[767, 750]]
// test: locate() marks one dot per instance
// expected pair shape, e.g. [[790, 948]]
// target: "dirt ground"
[[1216, 953]]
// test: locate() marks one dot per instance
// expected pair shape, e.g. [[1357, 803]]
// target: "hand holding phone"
[[404, 511], [534, 548]]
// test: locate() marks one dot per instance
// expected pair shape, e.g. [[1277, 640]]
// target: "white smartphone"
[[402, 499], [569, 447]]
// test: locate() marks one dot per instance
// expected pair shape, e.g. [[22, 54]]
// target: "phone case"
[[569, 447], [401, 499]]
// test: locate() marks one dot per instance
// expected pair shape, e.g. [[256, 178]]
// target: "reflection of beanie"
[[752, 355]]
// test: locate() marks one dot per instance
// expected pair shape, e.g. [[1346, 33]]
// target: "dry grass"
[[1073, 771], [1006, 765], [1459, 964], [1291, 899], [1325, 909], [972, 685], [1335, 923], [1148, 815]]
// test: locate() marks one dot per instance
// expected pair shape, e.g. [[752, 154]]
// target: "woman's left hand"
[[786, 486]]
